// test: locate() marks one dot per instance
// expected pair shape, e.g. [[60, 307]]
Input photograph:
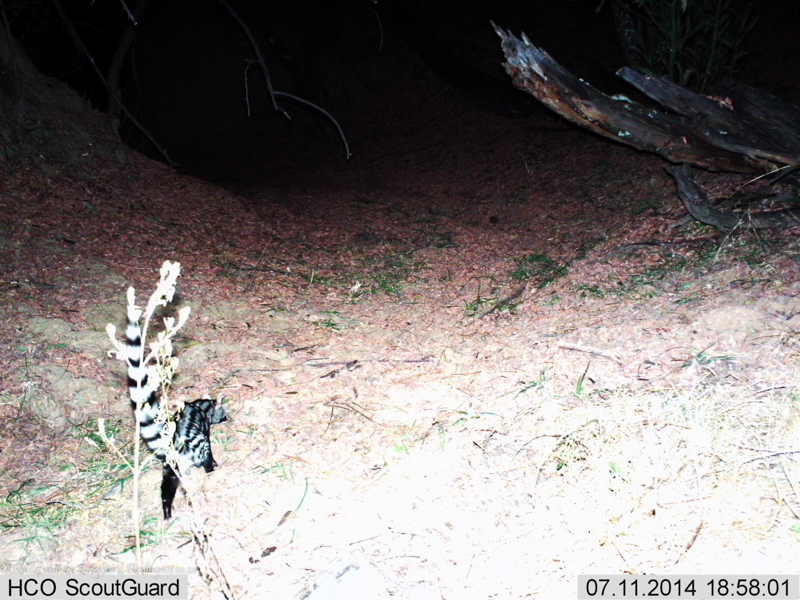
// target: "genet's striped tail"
[[142, 388]]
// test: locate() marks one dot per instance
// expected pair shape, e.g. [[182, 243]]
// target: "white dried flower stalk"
[[159, 362]]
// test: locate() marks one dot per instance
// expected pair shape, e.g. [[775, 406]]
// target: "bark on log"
[[747, 131], [737, 124]]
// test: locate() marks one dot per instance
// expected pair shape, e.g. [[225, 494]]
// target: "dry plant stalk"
[[160, 366]]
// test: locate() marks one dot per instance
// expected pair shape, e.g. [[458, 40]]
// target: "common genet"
[[191, 440]]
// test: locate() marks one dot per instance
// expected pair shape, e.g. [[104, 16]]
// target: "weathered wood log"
[[742, 130], [734, 124], [777, 118], [746, 132]]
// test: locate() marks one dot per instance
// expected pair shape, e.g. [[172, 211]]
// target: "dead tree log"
[[745, 131], [734, 120], [739, 130]]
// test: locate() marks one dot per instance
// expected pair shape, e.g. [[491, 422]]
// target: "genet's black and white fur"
[[191, 440]]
